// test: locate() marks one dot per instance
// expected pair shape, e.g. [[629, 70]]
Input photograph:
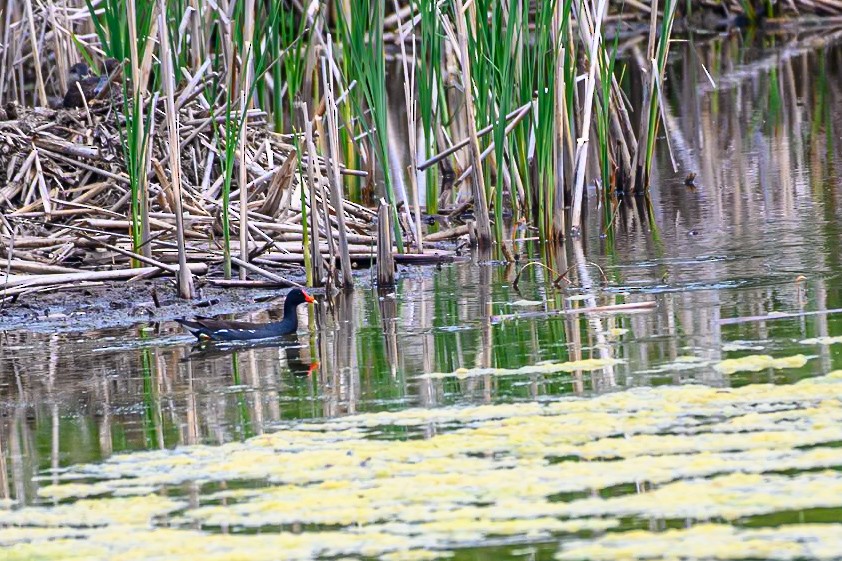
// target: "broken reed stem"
[[385, 259], [263, 273], [330, 239], [84, 276], [246, 73]]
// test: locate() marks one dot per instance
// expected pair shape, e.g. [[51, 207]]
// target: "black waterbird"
[[82, 86], [223, 330]]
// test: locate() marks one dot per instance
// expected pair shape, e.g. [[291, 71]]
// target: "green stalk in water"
[[152, 419]]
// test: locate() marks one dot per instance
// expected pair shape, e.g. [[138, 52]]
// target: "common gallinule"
[[221, 330], [83, 87]]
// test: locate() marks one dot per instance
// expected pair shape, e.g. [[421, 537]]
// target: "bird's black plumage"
[[82, 87], [224, 330]]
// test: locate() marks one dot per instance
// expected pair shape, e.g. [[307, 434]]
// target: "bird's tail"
[[194, 327]]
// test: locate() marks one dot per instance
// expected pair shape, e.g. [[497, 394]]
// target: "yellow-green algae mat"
[[700, 458]]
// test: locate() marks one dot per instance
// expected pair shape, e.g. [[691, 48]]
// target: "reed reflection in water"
[[764, 210]]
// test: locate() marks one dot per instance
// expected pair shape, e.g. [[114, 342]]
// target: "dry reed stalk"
[[583, 145], [134, 61], [320, 202], [449, 234], [480, 203], [185, 279], [34, 267], [242, 156], [490, 148], [645, 107], [42, 186], [263, 272], [313, 215], [85, 276], [60, 47], [247, 284], [4, 61], [36, 54], [143, 190], [333, 173], [330, 238], [642, 160], [143, 259], [423, 166], [247, 60]]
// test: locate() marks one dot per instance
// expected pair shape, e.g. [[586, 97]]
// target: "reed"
[[603, 126], [336, 196], [478, 186], [185, 279], [361, 33], [230, 132], [306, 243], [253, 66], [429, 69], [125, 30], [658, 49], [552, 29], [748, 10], [523, 98], [409, 89], [246, 85], [502, 43]]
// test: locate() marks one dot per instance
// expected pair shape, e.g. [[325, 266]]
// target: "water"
[[759, 233]]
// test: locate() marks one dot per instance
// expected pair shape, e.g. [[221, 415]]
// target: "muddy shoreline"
[[118, 304]]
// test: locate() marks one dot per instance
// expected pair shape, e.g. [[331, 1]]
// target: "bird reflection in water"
[[291, 345]]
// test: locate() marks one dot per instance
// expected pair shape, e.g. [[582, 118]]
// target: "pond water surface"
[[399, 381]]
